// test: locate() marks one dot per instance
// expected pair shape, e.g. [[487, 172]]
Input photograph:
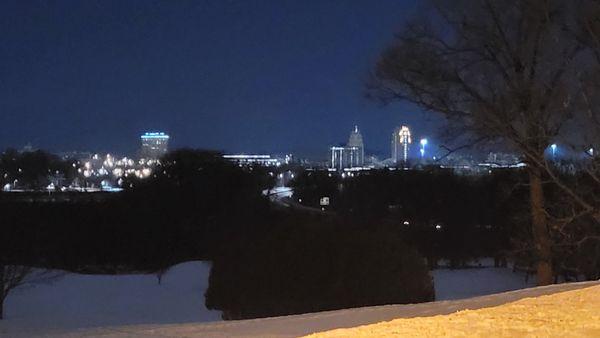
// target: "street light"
[[423, 144], [553, 147]]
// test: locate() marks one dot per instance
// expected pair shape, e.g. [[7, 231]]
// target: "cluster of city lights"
[[109, 166], [258, 159]]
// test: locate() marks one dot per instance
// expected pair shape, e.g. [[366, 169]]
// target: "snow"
[[477, 281], [77, 301], [136, 305], [574, 313], [299, 325]]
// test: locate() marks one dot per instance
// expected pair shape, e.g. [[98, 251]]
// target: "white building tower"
[[356, 141], [401, 139]]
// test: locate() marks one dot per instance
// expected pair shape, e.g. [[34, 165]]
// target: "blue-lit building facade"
[[154, 145]]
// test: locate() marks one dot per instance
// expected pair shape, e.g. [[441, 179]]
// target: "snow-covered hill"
[[77, 300], [87, 301]]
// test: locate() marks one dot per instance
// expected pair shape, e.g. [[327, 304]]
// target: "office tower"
[[401, 140], [352, 155], [154, 145], [356, 148]]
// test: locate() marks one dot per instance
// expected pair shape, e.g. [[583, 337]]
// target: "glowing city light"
[[117, 172], [155, 135], [405, 140]]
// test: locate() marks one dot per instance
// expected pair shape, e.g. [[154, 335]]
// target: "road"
[[282, 196]]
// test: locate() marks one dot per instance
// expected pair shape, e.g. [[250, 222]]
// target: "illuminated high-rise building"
[[355, 143], [401, 141], [154, 145], [350, 156]]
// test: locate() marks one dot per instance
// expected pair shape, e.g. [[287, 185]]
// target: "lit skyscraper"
[[154, 145], [350, 156], [401, 140], [356, 141]]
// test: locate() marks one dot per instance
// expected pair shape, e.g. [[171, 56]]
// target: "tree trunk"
[[539, 223], [2, 291]]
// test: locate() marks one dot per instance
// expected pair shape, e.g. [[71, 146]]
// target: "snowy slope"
[[465, 283], [298, 325], [76, 300], [86, 301], [574, 313]]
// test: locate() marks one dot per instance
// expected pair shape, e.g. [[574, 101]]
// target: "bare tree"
[[502, 69], [11, 276], [16, 276]]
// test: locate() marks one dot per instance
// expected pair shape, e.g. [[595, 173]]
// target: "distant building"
[[154, 145], [502, 159], [355, 143], [401, 141], [345, 157], [261, 160], [28, 148], [350, 156]]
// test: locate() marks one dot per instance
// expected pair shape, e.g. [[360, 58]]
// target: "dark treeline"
[[266, 260], [374, 247], [305, 263], [179, 214], [458, 217], [447, 216], [34, 169]]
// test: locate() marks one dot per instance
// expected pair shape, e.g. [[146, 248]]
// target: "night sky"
[[236, 76]]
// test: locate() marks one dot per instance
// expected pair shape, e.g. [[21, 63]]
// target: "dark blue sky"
[[238, 76]]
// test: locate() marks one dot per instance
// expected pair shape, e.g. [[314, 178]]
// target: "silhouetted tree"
[[11, 276], [15, 276], [309, 265], [503, 70], [32, 170]]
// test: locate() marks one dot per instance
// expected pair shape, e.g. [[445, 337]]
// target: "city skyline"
[[355, 140], [90, 84]]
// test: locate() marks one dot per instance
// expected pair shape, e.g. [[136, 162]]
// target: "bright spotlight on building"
[[553, 147], [423, 144]]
